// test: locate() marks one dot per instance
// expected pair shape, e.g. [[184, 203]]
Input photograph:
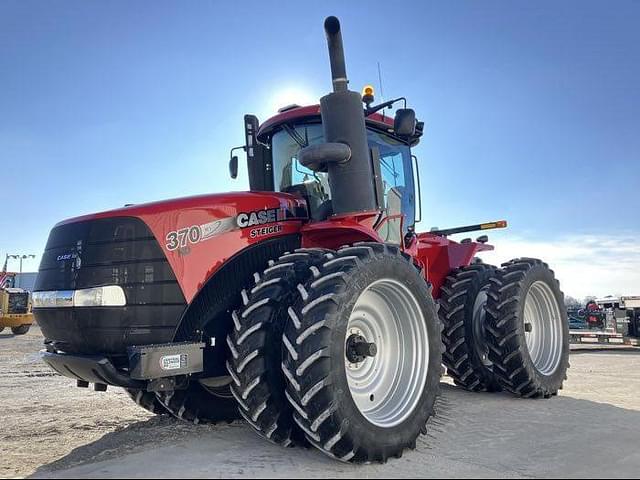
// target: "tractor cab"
[[273, 159]]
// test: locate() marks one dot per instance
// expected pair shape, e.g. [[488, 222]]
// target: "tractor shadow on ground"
[[476, 435]]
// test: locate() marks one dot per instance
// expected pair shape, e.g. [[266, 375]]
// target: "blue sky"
[[532, 108]]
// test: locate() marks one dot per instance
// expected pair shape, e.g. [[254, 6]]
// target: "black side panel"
[[259, 163], [210, 311], [111, 251]]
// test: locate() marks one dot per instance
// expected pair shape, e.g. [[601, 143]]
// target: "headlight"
[[109, 296], [44, 299]]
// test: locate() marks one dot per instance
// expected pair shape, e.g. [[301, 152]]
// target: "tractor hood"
[[196, 234]]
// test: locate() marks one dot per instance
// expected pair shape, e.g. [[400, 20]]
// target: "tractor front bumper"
[[150, 367], [88, 369]]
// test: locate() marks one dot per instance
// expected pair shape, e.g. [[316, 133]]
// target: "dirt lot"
[[52, 429]]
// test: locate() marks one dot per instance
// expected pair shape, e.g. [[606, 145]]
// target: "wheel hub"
[[358, 349], [543, 328], [386, 352]]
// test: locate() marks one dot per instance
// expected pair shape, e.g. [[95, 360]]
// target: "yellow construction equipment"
[[15, 306]]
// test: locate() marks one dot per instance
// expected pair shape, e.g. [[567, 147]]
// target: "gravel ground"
[[50, 428]]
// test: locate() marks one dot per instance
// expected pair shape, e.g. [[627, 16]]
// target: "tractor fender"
[[341, 230]]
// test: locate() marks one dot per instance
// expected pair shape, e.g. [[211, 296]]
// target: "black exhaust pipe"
[[352, 182], [336, 54]]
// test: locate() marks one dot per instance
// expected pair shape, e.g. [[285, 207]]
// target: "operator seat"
[[319, 207]]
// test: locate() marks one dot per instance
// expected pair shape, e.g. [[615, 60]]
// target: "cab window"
[[395, 168], [291, 177]]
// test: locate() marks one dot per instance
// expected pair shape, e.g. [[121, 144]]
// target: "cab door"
[[397, 184]]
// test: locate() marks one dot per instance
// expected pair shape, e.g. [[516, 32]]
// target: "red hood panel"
[[199, 234]]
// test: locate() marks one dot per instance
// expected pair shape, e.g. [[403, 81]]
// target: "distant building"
[[25, 281]]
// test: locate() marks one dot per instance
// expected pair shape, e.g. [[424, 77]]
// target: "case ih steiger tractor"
[[307, 305]]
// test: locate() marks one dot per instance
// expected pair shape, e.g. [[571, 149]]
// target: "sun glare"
[[291, 95]]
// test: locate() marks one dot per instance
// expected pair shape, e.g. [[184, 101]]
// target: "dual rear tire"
[[462, 312], [506, 328], [527, 329]]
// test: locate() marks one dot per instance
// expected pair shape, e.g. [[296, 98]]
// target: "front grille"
[[18, 303], [112, 251]]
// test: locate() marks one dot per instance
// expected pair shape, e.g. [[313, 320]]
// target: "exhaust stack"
[[336, 54], [352, 181]]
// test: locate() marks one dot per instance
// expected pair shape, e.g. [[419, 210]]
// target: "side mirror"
[[317, 157], [404, 123], [233, 167]]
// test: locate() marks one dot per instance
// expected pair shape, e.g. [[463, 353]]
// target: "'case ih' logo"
[[262, 217]]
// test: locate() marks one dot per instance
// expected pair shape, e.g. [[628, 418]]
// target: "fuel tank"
[[160, 255]]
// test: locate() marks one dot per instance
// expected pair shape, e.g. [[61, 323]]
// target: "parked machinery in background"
[[606, 320], [15, 306], [595, 316], [634, 325]]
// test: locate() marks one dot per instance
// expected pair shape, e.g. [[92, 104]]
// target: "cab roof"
[[312, 112]]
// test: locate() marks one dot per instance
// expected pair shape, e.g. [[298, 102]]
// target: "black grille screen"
[[112, 251]]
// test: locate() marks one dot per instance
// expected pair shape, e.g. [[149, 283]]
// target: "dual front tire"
[[357, 365]]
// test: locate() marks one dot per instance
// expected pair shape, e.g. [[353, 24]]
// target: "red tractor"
[[308, 305]]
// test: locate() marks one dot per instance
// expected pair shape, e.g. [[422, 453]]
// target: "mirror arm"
[[243, 148], [376, 108]]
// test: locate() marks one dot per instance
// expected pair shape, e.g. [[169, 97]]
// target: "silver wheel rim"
[[543, 328], [479, 319], [386, 388]]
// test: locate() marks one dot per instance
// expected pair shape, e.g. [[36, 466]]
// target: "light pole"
[[16, 257]]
